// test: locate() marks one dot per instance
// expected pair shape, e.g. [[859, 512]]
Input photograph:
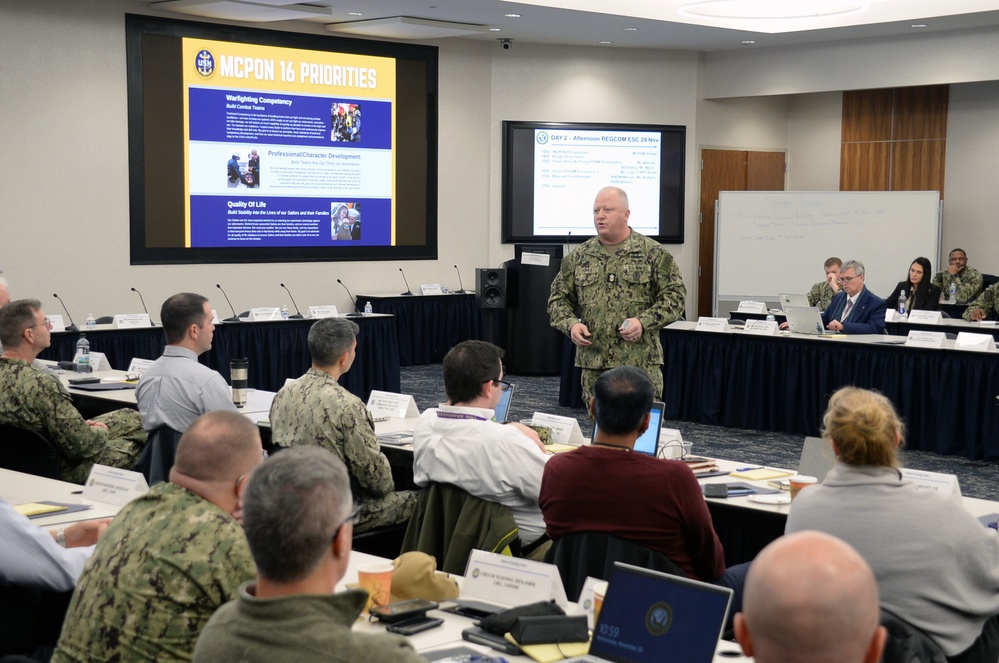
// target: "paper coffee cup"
[[800, 481], [376, 579], [599, 591]]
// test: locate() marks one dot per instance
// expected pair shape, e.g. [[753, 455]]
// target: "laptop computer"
[[502, 410], [648, 443], [817, 458], [652, 617], [805, 320], [788, 299]]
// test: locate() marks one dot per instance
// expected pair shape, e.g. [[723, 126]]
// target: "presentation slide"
[[572, 164], [288, 147]]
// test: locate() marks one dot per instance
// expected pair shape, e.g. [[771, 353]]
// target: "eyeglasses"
[[44, 323], [847, 279], [354, 516]]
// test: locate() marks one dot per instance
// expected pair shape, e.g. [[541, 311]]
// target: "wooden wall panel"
[[865, 167], [920, 113], [765, 171], [866, 115], [918, 165], [721, 170]]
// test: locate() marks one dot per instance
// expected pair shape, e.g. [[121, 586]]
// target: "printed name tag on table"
[[389, 404], [114, 486], [712, 324], [970, 341], [926, 317], [509, 581], [265, 313], [131, 320], [317, 312], [431, 289], [925, 339], [752, 307], [761, 327], [565, 430]]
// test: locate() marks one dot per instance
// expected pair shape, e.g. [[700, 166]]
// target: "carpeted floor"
[[540, 394]]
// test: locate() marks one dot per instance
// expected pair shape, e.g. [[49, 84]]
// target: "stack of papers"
[[700, 464]]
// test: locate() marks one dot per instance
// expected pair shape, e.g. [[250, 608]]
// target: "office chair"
[[26, 451]]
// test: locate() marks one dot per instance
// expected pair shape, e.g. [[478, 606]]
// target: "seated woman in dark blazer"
[[920, 294]]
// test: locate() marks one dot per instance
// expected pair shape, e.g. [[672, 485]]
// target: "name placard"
[[565, 430], [935, 481], [752, 307], [131, 320], [139, 366], [761, 327], [98, 361], [971, 341], [509, 581], [891, 315], [265, 313], [317, 312], [389, 404], [925, 339], [431, 289], [584, 606], [215, 317], [712, 324], [114, 486], [58, 324], [540, 259], [926, 317]]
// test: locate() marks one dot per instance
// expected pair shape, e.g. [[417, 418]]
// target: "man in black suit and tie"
[[855, 309]]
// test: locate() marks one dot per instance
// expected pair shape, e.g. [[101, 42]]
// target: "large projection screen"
[[251, 145], [769, 242]]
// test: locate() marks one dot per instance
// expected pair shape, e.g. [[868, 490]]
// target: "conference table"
[[276, 350], [20, 488]]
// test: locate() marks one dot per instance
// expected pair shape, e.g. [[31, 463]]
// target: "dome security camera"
[[507, 44]]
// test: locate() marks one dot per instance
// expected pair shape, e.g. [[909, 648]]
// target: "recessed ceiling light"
[[512, 15], [631, 29], [605, 42], [918, 25], [770, 9], [747, 42], [495, 29], [354, 14]]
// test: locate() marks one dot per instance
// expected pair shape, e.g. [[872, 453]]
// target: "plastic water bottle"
[[771, 317], [952, 293], [91, 324], [901, 303], [284, 312], [83, 354], [367, 308]]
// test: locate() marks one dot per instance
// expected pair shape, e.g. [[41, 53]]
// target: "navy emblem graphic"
[[204, 63], [542, 137], [659, 618]]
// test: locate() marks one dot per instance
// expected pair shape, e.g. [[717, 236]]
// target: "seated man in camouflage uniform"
[[986, 306], [172, 557], [33, 399], [315, 409], [292, 612], [822, 292], [967, 281]]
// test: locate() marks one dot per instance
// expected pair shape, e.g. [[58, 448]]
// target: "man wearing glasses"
[[172, 557], [855, 309], [35, 400], [291, 613], [458, 443]]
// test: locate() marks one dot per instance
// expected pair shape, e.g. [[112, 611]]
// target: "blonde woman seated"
[[936, 565]]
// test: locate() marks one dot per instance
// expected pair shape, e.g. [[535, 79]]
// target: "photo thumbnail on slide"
[[346, 221]]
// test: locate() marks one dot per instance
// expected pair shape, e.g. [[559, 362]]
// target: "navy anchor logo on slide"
[[659, 618], [204, 62]]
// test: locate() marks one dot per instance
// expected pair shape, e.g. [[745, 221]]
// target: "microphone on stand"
[[460, 284], [408, 290], [355, 314], [72, 325], [151, 321], [234, 318], [298, 312], [567, 236]]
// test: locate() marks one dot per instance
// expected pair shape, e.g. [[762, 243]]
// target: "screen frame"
[[671, 190], [423, 57]]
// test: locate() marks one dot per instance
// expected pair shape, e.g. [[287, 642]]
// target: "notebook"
[[502, 409], [787, 299], [805, 320], [648, 443], [817, 458], [652, 617]]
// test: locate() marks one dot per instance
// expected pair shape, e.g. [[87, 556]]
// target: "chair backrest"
[[26, 451], [157, 456], [104, 320], [448, 524], [906, 643], [989, 279], [593, 554]]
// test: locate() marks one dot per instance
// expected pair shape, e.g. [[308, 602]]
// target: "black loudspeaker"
[[490, 287]]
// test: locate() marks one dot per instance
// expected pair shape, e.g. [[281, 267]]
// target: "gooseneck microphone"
[[460, 284], [143, 301], [409, 291], [298, 311], [355, 314], [72, 325], [234, 318], [567, 236]]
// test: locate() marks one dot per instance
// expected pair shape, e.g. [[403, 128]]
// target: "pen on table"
[[746, 469]]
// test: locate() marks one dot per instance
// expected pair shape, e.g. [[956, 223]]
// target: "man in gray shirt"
[[176, 389]]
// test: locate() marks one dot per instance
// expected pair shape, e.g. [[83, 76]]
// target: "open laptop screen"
[[648, 443], [502, 409], [649, 616]]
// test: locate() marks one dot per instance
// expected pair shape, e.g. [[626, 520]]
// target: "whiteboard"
[[769, 242]]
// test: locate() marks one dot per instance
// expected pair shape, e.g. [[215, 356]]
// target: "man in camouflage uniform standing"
[[967, 280], [614, 293], [986, 305], [35, 400], [316, 410], [172, 557]]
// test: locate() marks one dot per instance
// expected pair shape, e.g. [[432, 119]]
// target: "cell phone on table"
[[414, 626], [402, 610]]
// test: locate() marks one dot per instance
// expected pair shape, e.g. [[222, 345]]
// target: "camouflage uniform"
[[315, 409], [641, 280], [167, 562], [987, 301], [820, 295], [37, 401], [969, 284]]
